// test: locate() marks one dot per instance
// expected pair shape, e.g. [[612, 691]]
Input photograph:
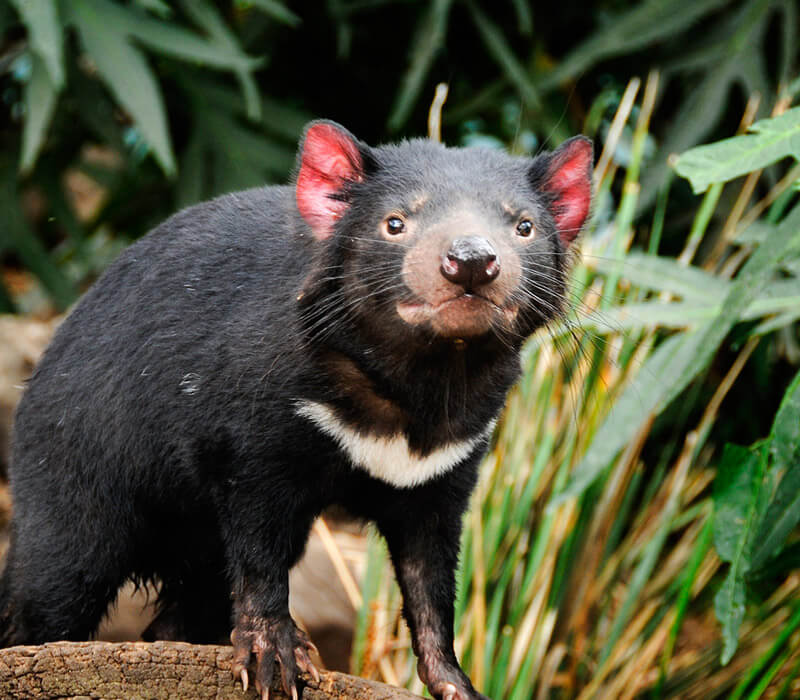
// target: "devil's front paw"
[[447, 682], [450, 691], [264, 641]]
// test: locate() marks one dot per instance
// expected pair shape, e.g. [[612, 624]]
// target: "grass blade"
[[428, 40], [40, 97], [276, 10], [45, 35], [126, 73]]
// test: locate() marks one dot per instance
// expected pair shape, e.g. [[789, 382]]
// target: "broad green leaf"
[[208, 18], [665, 275], [126, 74], [752, 278], [786, 427], [729, 607], [649, 314], [781, 320], [641, 25], [783, 513], [730, 54], [779, 297], [757, 232], [769, 141], [247, 146], [429, 38], [680, 359], [157, 7], [283, 119], [733, 495], [166, 37], [498, 46], [241, 157], [276, 10], [44, 35], [277, 117], [40, 96], [739, 498]]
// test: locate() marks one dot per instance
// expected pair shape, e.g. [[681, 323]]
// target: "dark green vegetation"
[[635, 533]]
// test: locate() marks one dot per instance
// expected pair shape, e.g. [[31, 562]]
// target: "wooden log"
[[161, 670]]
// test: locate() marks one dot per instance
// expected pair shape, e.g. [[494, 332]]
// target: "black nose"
[[470, 262]]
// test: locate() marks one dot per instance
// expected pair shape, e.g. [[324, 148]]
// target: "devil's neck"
[[450, 391]]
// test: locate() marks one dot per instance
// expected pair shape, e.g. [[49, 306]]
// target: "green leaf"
[[429, 38], [757, 232], [783, 513], [524, 17], [679, 314], [168, 38], [497, 45], [192, 174], [40, 96], [786, 427], [729, 606], [769, 141], [649, 314], [654, 386], [752, 278], [27, 245], [44, 34], [208, 18], [274, 9], [777, 322], [665, 275], [680, 359], [157, 7], [126, 74], [739, 497], [729, 55], [642, 25]]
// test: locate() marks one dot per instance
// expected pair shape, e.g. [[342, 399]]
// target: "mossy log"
[[162, 670]]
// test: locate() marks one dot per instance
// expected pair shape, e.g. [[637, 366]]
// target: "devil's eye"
[[525, 228], [395, 225]]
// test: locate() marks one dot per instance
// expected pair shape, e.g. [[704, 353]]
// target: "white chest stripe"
[[387, 458]]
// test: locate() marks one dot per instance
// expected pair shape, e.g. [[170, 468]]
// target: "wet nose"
[[471, 261]]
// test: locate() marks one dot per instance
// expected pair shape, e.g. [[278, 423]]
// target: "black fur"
[[158, 438]]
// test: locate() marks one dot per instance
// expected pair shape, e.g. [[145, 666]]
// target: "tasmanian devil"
[[348, 340]]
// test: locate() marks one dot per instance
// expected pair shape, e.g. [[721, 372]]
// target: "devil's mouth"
[[465, 314]]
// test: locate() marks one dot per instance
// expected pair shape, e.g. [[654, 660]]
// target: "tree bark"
[[162, 670]]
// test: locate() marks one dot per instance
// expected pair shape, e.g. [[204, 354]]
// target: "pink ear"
[[329, 159], [569, 181]]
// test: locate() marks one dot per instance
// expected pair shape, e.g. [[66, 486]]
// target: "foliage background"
[[604, 535]]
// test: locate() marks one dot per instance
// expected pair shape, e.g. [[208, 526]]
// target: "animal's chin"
[[463, 316]]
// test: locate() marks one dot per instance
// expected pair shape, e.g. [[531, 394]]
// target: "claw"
[[305, 664], [449, 692], [267, 641], [312, 669]]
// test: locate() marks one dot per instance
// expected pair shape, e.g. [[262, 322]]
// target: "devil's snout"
[[470, 262]]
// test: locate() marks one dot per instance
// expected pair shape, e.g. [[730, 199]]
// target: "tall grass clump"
[[623, 543]]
